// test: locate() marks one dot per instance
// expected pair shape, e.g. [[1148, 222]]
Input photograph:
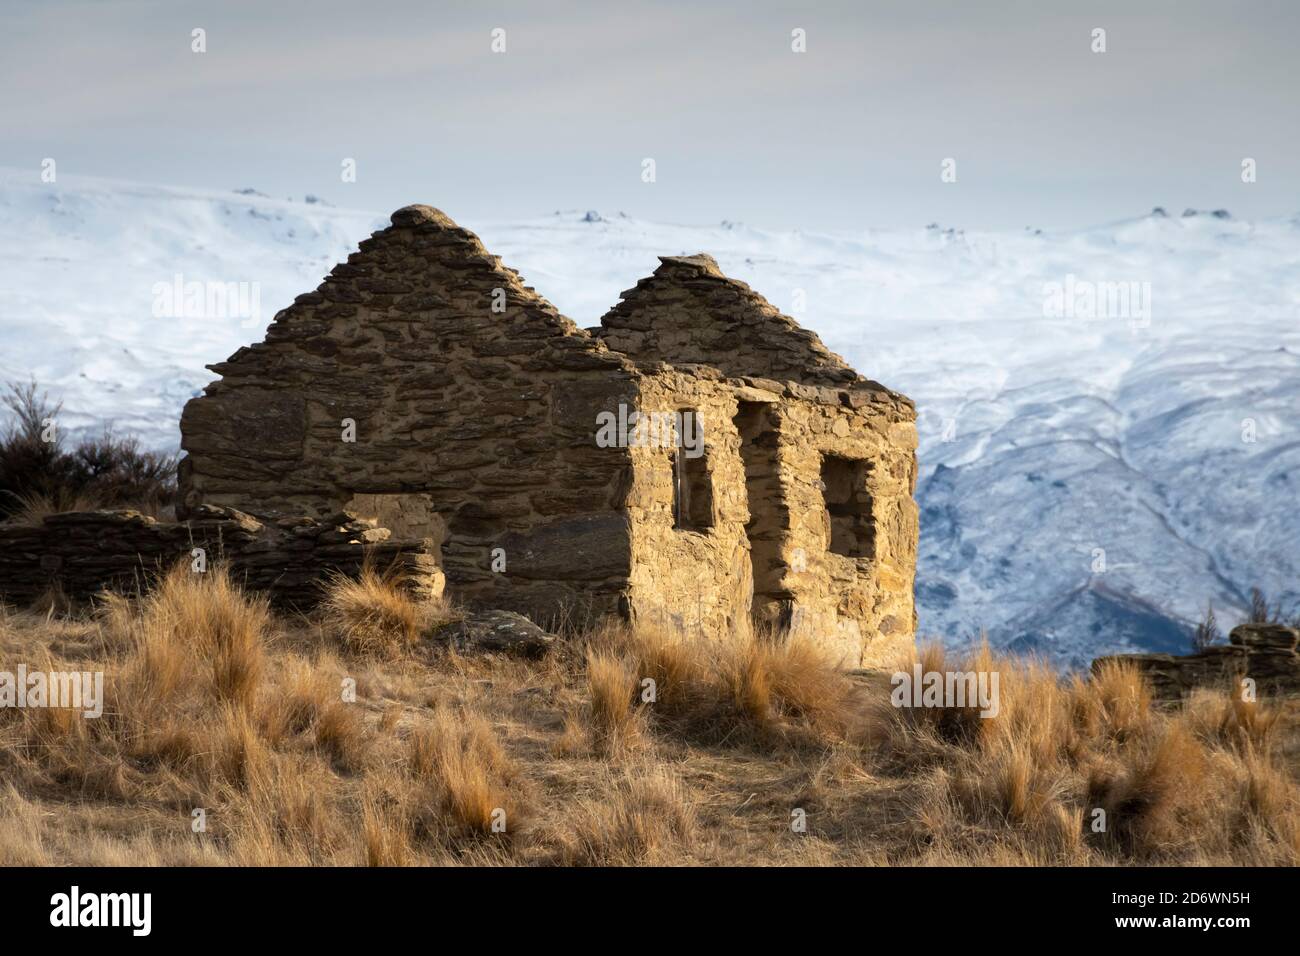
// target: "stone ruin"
[[1263, 653], [698, 460]]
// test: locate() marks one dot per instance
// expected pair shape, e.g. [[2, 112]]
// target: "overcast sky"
[[850, 134]]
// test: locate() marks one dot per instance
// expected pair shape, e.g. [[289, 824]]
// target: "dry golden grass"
[[784, 686], [638, 818], [32, 509], [468, 775], [762, 691], [615, 721], [1090, 771], [301, 746], [372, 615]]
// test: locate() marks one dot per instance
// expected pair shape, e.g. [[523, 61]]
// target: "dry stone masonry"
[[83, 553], [689, 313], [1264, 653], [698, 461]]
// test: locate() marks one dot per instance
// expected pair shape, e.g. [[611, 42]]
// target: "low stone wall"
[[82, 553], [1265, 653]]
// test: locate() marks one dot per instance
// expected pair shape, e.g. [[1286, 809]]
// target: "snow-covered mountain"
[[1108, 417]]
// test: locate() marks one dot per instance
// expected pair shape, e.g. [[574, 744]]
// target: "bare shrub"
[[1207, 632], [40, 476]]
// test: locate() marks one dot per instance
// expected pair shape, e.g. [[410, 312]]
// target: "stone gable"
[[689, 312]]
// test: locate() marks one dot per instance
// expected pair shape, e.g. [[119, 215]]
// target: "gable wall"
[[491, 414], [688, 312], [859, 608]]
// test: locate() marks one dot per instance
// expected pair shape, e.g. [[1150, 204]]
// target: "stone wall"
[[1265, 653], [768, 554], [798, 429], [489, 415], [858, 600], [690, 577], [83, 553]]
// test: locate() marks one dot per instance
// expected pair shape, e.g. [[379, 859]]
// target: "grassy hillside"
[[216, 704]]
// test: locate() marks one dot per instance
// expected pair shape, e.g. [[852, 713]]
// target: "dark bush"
[[38, 474]]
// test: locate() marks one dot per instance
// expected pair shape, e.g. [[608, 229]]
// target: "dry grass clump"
[[784, 688], [205, 623], [181, 687], [1228, 720], [931, 729], [679, 667], [372, 614], [32, 508], [1115, 702], [458, 757], [385, 833], [642, 818], [615, 718], [1089, 771], [1160, 793], [759, 691]]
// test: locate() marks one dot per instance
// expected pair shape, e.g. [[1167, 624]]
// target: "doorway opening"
[[769, 517]]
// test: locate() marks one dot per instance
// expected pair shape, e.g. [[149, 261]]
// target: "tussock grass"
[[32, 508], [761, 690], [460, 759], [615, 720], [372, 615], [214, 703], [784, 686], [1086, 771], [641, 818], [385, 833], [193, 632]]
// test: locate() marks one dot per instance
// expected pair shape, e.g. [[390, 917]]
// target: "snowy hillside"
[[1087, 482]]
